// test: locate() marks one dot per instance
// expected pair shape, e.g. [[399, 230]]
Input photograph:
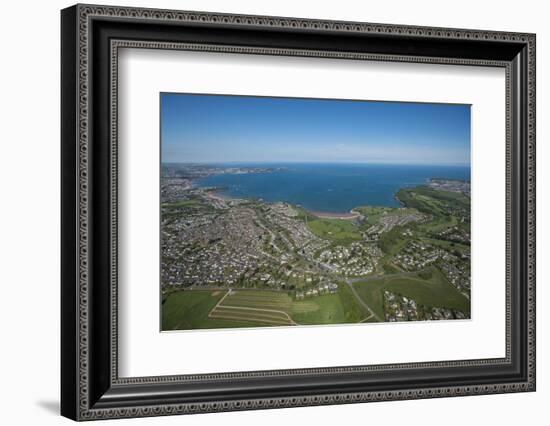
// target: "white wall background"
[[29, 212]]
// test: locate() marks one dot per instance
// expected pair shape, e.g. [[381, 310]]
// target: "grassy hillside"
[[433, 292], [187, 310], [202, 309], [337, 230]]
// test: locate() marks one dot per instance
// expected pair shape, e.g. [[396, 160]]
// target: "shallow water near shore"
[[335, 188]]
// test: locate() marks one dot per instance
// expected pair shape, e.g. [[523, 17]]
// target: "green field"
[[338, 308], [392, 241], [201, 309], [336, 230], [187, 310], [181, 204], [189, 207], [204, 309], [435, 291], [434, 202]]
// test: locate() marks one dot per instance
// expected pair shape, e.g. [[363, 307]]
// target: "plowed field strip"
[[256, 310], [272, 315], [250, 319]]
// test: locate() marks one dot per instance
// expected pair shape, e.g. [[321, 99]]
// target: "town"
[[376, 261]]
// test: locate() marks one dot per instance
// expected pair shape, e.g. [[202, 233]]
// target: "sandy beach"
[[329, 215], [217, 195]]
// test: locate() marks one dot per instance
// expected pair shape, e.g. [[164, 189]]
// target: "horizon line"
[[317, 162]]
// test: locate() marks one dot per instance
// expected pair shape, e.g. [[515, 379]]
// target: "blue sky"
[[222, 129]]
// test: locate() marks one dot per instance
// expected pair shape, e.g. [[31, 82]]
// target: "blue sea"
[[330, 187]]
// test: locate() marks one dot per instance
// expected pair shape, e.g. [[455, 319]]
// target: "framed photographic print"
[[263, 212]]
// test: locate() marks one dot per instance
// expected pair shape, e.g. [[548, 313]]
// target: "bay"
[[334, 188]]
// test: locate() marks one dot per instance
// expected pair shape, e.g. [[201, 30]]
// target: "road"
[[350, 282], [362, 302]]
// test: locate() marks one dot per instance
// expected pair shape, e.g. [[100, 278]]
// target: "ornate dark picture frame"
[[90, 38]]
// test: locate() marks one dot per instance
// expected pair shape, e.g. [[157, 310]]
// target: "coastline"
[[347, 211], [217, 194], [334, 215]]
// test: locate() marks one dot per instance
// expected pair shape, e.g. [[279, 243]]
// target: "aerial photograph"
[[305, 212]]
